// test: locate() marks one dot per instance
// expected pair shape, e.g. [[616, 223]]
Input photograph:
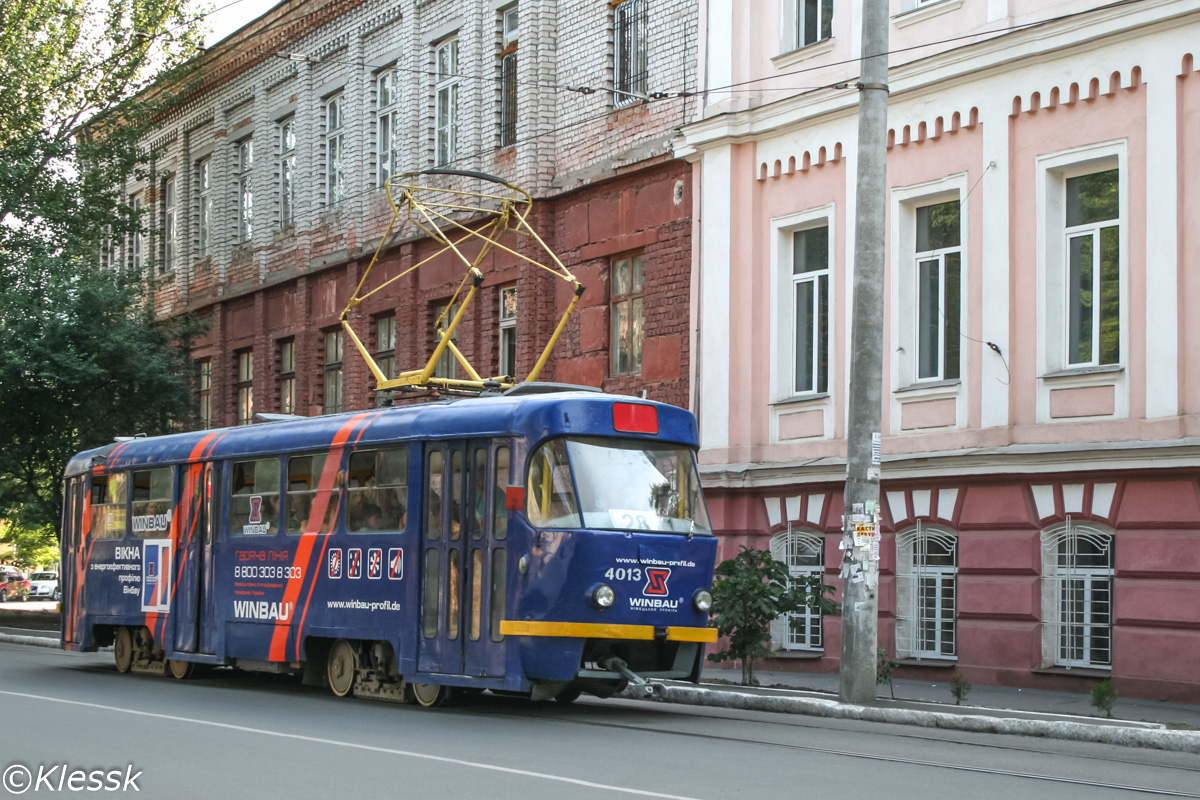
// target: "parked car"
[[14, 585], [44, 586]]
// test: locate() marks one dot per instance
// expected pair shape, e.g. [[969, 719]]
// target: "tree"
[[82, 357], [752, 590]]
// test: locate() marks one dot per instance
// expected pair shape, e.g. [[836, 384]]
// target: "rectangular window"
[[926, 593], [377, 491], [151, 496], [385, 345], [804, 554], [1093, 239], [138, 245], [804, 22], [108, 506], [287, 171], [508, 76], [335, 165], [939, 292], [387, 99], [1077, 595], [168, 262], [245, 386], [508, 331], [333, 372], [287, 377], [245, 189], [447, 364], [204, 206], [446, 102], [312, 501], [627, 322], [108, 248], [254, 498], [204, 384], [630, 52], [810, 310]]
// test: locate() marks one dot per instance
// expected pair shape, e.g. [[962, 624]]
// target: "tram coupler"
[[639, 684]]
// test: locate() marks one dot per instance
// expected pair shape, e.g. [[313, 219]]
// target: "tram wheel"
[[430, 695], [568, 695], [123, 650], [340, 668], [180, 670]]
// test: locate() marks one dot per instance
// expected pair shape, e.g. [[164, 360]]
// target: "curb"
[[1158, 739], [32, 641]]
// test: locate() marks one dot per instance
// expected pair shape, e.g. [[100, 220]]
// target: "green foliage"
[[32, 548], [1104, 697], [884, 667], [751, 591], [960, 688]]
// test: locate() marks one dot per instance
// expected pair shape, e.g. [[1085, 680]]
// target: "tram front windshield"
[[615, 484]]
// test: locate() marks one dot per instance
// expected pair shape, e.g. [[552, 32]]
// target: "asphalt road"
[[232, 734]]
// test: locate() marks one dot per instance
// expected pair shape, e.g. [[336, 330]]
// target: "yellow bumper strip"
[[597, 630]]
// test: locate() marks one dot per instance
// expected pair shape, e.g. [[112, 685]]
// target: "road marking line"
[[352, 745]]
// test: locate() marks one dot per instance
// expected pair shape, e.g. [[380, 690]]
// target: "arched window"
[[804, 554], [926, 593], [1077, 594]]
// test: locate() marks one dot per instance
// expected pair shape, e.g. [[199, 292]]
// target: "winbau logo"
[[656, 582], [261, 609], [653, 604]]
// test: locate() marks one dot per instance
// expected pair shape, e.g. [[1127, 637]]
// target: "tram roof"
[[535, 416]]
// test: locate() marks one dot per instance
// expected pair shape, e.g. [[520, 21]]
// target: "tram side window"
[[433, 494], [108, 506], [550, 496], [312, 497], [254, 502], [500, 524], [151, 492], [377, 491]]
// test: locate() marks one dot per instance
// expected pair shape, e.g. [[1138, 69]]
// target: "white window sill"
[[813, 50], [801, 400], [924, 12], [1082, 372], [945, 387]]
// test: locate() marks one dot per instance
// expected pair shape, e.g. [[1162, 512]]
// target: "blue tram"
[[540, 542]]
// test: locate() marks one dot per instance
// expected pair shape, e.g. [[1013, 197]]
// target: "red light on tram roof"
[[635, 418]]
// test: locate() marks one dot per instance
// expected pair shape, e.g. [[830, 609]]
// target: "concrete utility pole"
[[860, 536]]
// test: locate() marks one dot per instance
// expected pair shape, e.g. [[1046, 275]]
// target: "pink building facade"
[[1041, 427]]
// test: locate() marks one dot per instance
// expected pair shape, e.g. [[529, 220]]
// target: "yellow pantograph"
[[458, 218]]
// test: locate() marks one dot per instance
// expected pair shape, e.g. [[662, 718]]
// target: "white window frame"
[[509, 40], [913, 575], [169, 224], [335, 150], [245, 386], [387, 124], [1096, 582], [794, 28], [287, 376], [204, 207], [137, 247], [940, 324], [630, 21], [287, 171], [1092, 231], [204, 381], [508, 329], [445, 105], [801, 630], [813, 277], [244, 179]]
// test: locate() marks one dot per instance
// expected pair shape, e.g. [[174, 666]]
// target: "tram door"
[[455, 559], [193, 609], [70, 572]]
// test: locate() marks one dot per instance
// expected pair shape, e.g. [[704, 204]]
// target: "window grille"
[[926, 593], [1077, 596]]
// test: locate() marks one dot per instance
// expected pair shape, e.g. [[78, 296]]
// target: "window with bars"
[[245, 189], [804, 22], [628, 330], [508, 330], [204, 373], [1077, 595], [508, 76], [810, 310], [287, 376], [630, 52], [245, 386], [169, 228], [1093, 242], [287, 171], [446, 102], [804, 554], [204, 207], [388, 122], [333, 372], [939, 290], [926, 593], [335, 161]]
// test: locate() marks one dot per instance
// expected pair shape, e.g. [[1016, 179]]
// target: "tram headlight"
[[702, 600], [603, 596]]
